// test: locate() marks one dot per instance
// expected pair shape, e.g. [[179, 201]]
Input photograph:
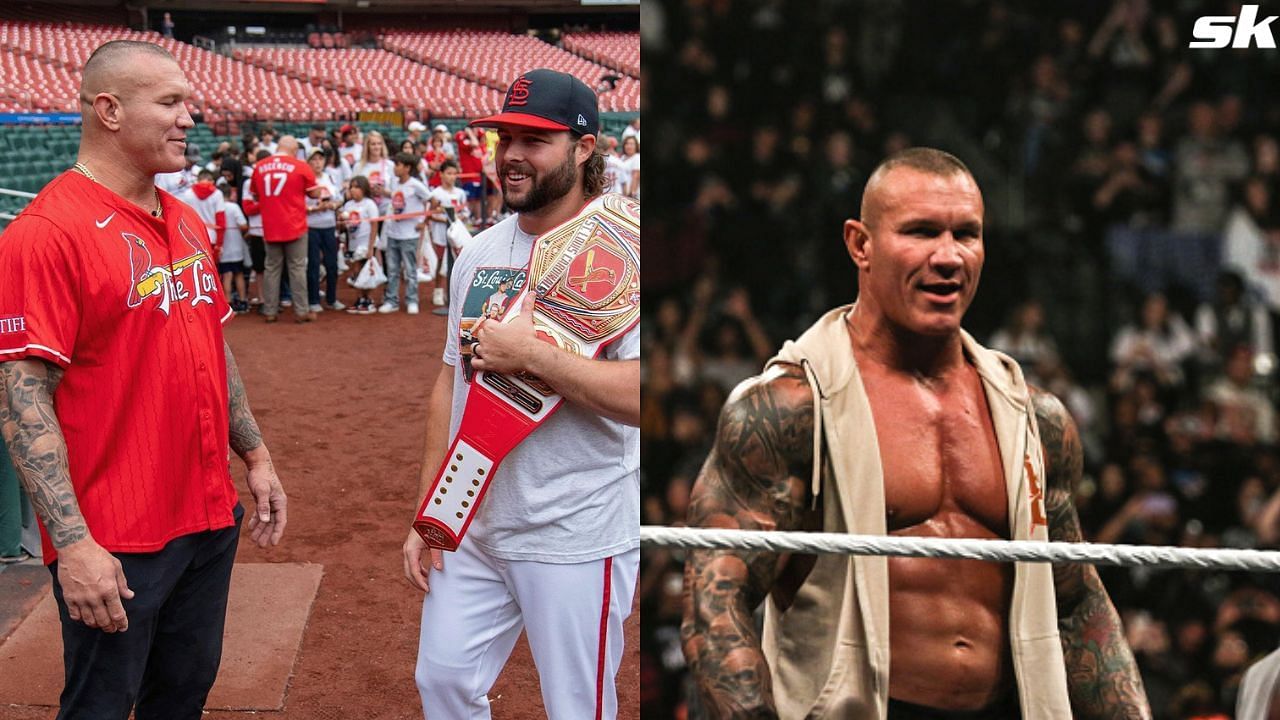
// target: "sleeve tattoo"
[[31, 431], [1102, 676], [756, 479], [244, 432]]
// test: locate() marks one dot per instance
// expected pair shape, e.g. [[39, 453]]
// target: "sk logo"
[[519, 92]]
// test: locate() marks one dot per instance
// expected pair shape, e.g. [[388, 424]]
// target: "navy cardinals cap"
[[548, 100]]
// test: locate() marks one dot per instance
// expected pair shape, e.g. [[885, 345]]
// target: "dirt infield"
[[341, 404]]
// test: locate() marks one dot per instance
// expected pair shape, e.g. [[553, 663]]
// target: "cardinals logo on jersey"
[[169, 283]]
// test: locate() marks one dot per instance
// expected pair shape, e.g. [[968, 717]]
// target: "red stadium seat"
[[441, 74], [495, 58]]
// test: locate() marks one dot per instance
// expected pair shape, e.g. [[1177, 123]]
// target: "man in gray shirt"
[[554, 548]]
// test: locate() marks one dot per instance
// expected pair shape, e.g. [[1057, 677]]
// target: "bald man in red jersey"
[[119, 400]]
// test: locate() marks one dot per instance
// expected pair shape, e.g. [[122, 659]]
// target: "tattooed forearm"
[[34, 438], [245, 435], [1102, 676], [755, 478]]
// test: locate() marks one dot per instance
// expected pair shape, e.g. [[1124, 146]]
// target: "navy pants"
[[163, 666], [322, 247]]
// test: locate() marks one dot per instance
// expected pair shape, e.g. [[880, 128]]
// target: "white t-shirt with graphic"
[[233, 246], [570, 493], [174, 182], [338, 174], [456, 199], [380, 172], [322, 219], [352, 154], [410, 196], [360, 211]]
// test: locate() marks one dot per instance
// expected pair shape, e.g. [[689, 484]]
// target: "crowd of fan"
[[1104, 145], [422, 184]]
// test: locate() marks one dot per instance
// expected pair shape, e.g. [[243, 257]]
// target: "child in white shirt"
[[444, 198], [360, 231], [234, 261]]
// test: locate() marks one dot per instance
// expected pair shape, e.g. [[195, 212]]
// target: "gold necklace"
[[80, 168]]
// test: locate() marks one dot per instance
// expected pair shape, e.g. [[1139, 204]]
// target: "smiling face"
[[375, 147], [152, 114], [919, 249], [536, 167]]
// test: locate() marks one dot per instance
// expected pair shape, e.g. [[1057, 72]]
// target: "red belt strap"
[[585, 274]]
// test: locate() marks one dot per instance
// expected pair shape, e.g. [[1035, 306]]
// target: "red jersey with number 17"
[[280, 184], [129, 306]]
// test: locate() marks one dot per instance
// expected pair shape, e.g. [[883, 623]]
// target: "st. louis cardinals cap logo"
[[519, 94], [563, 102]]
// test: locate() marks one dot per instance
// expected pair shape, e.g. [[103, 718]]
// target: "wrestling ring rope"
[[960, 548]]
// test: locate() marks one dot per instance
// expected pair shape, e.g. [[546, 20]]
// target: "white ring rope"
[[960, 548]]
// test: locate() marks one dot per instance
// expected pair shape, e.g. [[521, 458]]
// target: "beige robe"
[[828, 651], [1254, 699]]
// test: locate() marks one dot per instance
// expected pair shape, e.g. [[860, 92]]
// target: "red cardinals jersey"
[[280, 184], [130, 307], [470, 156]]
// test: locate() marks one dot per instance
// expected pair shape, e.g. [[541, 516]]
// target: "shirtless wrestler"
[[919, 252]]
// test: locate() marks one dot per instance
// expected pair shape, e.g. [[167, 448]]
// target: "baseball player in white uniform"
[[554, 547]]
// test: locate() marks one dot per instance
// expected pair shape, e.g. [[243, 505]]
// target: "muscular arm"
[[270, 516], [31, 432], [92, 580], [246, 438], [754, 479], [1102, 676]]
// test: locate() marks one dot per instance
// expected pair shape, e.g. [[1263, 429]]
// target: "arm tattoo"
[[245, 435], [1102, 676], [30, 429], [756, 479]]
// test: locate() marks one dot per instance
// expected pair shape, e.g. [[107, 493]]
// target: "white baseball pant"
[[572, 614]]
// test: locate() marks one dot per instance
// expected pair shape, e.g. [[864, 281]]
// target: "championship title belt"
[[585, 274]]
